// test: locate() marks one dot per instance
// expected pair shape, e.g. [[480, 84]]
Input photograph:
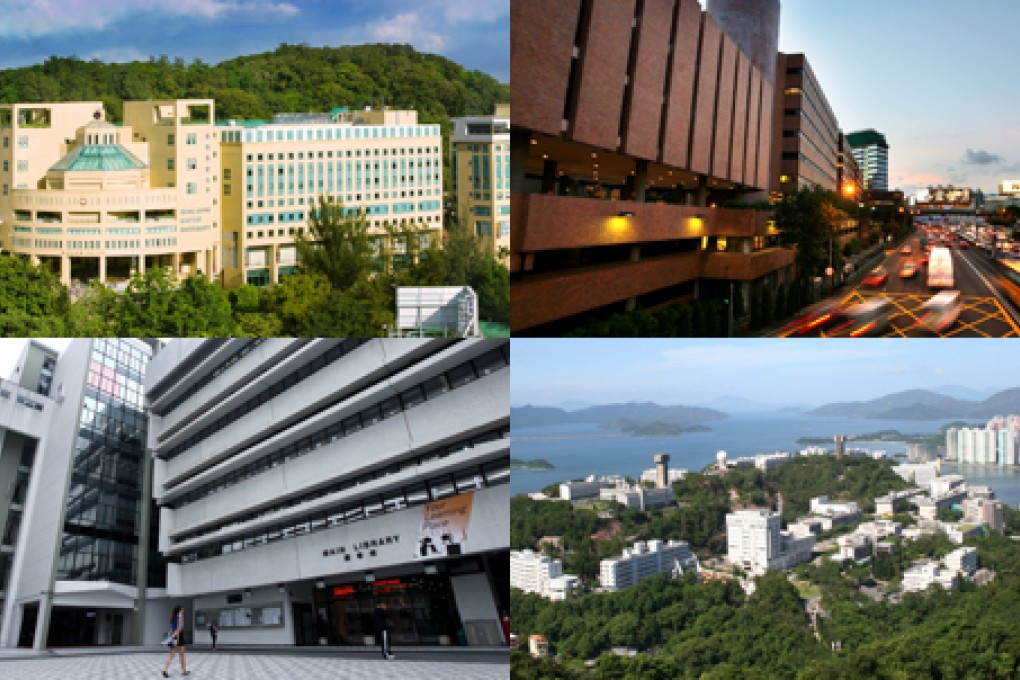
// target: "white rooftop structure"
[[430, 311]]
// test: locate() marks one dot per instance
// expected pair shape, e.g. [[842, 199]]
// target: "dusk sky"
[[777, 372], [935, 76], [475, 34]]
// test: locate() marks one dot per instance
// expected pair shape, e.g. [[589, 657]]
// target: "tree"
[[154, 305], [33, 303], [338, 245]]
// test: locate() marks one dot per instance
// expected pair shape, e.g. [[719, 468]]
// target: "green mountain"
[[292, 78], [923, 405]]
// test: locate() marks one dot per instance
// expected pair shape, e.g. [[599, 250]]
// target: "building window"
[[170, 139], [22, 141], [226, 189], [226, 173], [191, 138], [192, 164], [169, 164], [192, 188]]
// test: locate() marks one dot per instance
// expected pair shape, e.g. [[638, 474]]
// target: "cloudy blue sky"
[[936, 76], [475, 34], [776, 372]]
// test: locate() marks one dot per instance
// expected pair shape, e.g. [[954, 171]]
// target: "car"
[[941, 311], [963, 245], [870, 317], [906, 250], [909, 270], [813, 318], [876, 277]]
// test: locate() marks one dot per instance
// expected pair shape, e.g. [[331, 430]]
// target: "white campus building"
[[644, 560], [78, 560], [756, 543], [963, 560], [302, 483], [918, 577], [540, 574]]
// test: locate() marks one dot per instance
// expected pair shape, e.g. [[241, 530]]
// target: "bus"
[[940, 268]]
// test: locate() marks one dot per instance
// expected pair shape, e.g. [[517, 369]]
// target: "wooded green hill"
[[292, 78]]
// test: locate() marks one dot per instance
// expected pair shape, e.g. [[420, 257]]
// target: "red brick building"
[[634, 123]]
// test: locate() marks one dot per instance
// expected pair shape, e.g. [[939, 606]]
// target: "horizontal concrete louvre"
[[228, 383], [704, 111], [679, 103], [753, 130], [724, 109], [541, 53], [485, 402], [539, 301], [764, 135], [303, 557], [603, 74], [641, 138], [740, 119]]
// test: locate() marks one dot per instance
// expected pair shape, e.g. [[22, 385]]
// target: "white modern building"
[[78, 560], [303, 483], [637, 496], [644, 560], [854, 547], [823, 506], [587, 488], [920, 576], [962, 560], [540, 574], [752, 538]]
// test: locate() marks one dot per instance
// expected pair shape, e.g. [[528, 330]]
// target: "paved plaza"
[[230, 666]]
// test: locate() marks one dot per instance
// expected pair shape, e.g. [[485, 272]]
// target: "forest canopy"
[[291, 78]]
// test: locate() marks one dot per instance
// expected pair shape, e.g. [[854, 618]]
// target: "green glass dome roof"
[[99, 157]]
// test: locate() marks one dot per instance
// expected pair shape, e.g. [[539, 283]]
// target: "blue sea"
[[579, 450]]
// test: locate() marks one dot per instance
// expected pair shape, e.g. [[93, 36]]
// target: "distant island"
[[655, 428], [637, 412], [537, 464]]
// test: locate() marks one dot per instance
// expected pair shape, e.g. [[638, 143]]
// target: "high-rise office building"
[[303, 482], [480, 162], [806, 131], [381, 164], [871, 152], [753, 539], [94, 200], [79, 564]]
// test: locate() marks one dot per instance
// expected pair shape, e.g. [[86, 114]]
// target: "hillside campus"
[[283, 489], [172, 187]]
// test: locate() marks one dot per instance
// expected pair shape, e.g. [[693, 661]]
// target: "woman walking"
[[175, 641]]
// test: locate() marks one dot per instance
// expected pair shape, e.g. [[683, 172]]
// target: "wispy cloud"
[[34, 18], [409, 27]]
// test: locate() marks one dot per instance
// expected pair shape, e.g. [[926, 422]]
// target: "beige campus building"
[[480, 161], [92, 199], [379, 163]]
